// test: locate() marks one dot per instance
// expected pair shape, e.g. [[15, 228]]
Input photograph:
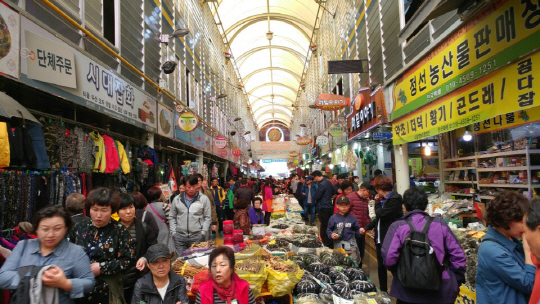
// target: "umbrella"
[[9, 107]]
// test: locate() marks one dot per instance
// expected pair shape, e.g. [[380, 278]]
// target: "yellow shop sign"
[[510, 89], [504, 31]]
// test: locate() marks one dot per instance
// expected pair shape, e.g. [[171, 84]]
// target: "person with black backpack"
[[424, 256]]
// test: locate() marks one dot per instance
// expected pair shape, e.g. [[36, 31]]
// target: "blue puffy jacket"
[[324, 194]]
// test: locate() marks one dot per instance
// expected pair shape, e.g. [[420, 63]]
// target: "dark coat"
[[359, 208], [324, 194], [149, 219], [246, 193], [386, 213], [146, 291], [145, 237]]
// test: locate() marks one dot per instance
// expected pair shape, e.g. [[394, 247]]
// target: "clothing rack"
[[90, 127]]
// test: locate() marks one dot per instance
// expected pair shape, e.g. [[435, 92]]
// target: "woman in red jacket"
[[360, 209], [224, 285]]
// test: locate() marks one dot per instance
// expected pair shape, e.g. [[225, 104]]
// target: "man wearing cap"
[[325, 206], [360, 209], [309, 190], [343, 228], [161, 284]]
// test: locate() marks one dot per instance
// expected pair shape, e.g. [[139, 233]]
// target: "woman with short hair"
[[142, 235], [505, 272], [224, 285], [71, 272], [107, 243], [159, 209]]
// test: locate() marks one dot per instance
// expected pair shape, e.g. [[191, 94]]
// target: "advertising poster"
[[165, 121], [9, 41]]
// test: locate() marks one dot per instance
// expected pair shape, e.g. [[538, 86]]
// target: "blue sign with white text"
[[382, 136]]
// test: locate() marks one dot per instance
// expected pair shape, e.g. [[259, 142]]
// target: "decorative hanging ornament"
[[303, 86], [227, 56], [202, 2], [240, 87], [313, 49], [236, 152]]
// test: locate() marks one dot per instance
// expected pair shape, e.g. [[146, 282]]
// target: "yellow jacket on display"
[[99, 146], [124, 160], [4, 146]]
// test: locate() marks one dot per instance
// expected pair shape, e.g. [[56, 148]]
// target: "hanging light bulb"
[[467, 136], [331, 166], [427, 151], [355, 146], [343, 164], [338, 151], [330, 154]]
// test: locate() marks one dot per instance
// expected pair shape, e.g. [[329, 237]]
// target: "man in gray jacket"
[[190, 216]]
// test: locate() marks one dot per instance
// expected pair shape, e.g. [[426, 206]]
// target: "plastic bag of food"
[[362, 286], [308, 298], [254, 253], [316, 267], [323, 278], [335, 275], [282, 283], [341, 289], [327, 294], [254, 273], [307, 286], [329, 260]]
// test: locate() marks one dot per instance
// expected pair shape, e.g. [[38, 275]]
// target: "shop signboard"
[[365, 111], [278, 160], [198, 138], [294, 154], [220, 142], [336, 129], [51, 62], [236, 152], [510, 89], [314, 151], [503, 32], [506, 121], [303, 141], [9, 46], [187, 121], [322, 141], [223, 152], [165, 121], [382, 135], [277, 149], [331, 102], [98, 87]]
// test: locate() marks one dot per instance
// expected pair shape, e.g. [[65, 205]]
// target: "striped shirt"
[[217, 300]]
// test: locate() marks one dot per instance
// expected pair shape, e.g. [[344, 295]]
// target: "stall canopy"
[[9, 108]]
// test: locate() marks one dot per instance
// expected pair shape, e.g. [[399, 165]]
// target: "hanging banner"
[[506, 121], [303, 141], [365, 111], [331, 102], [336, 129], [236, 152], [187, 121], [503, 32], [9, 42], [220, 142], [165, 121], [98, 88], [508, 90], [322, 141]]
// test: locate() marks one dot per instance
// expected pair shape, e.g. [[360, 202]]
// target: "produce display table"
[[265, 293]]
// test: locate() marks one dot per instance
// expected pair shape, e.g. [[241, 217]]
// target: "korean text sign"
[[510, 89], [505, 121], [504, 31]]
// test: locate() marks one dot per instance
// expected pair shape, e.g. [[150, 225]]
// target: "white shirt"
[[163, 290]]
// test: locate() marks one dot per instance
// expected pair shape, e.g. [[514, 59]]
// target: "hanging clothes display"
[[54, 137], [111, 155], [85, 147], [123, 158], [100, 162], [68, 149], [4, 146], [38, 142], [147, 155]]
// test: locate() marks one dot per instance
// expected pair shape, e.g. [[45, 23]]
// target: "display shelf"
[[461, 182], [459, 159], [525, 186], [509, 153], [460, 194], [520, 168], [459, 169]]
